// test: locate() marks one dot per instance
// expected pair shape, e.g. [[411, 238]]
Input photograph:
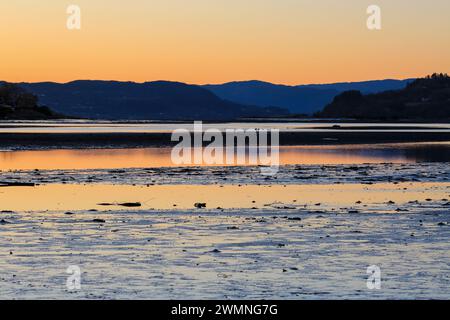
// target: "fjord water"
[[161, 157], [102, 197], [86, 126]]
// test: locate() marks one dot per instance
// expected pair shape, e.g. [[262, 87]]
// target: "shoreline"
[[31, 141]]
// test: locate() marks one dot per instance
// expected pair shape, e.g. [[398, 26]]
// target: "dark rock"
[[130, 204], [17, 184]]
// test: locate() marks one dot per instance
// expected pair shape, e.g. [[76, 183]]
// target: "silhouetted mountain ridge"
[[157, 100], [167, 100], [366, 87], [263, 94], [301, 99], [423, 99]]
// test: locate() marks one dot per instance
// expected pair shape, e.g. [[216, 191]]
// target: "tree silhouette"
[[17, 103], [16, 97]]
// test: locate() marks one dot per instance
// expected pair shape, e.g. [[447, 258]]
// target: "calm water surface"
[[161, 157], [149, 127]]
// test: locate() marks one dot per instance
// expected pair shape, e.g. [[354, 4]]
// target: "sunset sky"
[[215, 41]]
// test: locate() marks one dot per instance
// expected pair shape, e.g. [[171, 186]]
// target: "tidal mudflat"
[[164, 232], [215, 254]]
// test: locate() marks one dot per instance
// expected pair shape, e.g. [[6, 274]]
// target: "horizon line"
[[211, 84]]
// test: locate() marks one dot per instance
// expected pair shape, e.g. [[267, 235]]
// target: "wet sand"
[[309, 233], [364, 173], [224, 255]]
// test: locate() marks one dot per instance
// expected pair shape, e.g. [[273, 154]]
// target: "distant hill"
[[303, 99], [423, 99], [163, 100], [263, 94], [159, 100], [18, 104], [366, 87]]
